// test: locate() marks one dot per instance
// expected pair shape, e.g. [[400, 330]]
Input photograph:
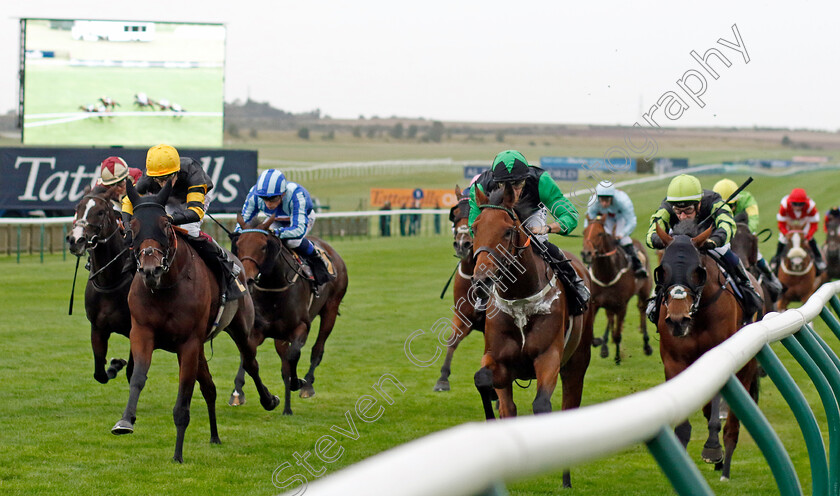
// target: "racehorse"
[[142, 101], [175, 306], [697, 312], [831, 248], [466, 317], [796, 271], [97, 230], [613, 284], [286, 306], [528, 333], [745, 244]]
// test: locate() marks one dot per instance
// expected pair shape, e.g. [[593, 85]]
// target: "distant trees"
[[397, 131], [435, 133], [412, 131], [303, 133]]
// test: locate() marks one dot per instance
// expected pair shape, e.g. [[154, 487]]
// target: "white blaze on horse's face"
[[678, 307], [78, 231]]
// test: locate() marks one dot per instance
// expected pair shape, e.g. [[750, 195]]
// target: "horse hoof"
[[712, 455], [287, 411], [605, 352], [441, 386], [648, 350], [122, 427], [275, 400], [178, 459], [307, 391], [596, 342], [215, 440], [723, 478], [236, 399], [101, 378], [296, 385]]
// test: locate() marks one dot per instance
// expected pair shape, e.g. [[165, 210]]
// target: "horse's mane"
[[497, 197], [687, 227]]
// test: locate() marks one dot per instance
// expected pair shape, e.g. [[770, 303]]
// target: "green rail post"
[[42, 243], [829, 402], [64, 244], [771, 446], [835, 304], [672, 458], [830, 320], [18, 242], [804, 416]]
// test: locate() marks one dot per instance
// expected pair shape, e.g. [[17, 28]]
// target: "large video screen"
[[123, 83]]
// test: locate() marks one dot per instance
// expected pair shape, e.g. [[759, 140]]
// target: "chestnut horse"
[[831, 248], [97, 230], [175, 306], [286, 306], [698, 311], [797, 272], [466, 317], [529, 333], [613, 284], [745, 244]]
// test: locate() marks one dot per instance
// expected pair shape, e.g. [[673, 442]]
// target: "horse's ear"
[[509, 196], [240, 220], [701, 238], [657, 275], [457, 192], [132, 193], [265, 225], [664, 236], [480, 197], [163, 196]]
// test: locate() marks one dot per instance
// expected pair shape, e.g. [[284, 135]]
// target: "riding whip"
[[219, 223], [450, 280], [73, 289], [731, 197]]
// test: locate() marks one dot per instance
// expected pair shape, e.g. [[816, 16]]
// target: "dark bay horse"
[[97, 230], [466, 317], [745, 244], [698, 312], [613, 284], [831, 248], [175, 306], [286, 306], [529, 333], [797, 272]]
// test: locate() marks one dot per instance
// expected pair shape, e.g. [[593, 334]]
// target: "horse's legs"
[[712, 451], [546, 368], [641, 304], [459, 332], [142, 345], [282, 348], [605, 342], [507, 408], [484, 384], [572, 375], [298, 339], [683, 432], [616, 333], [208, 391], [129, 369], [99, 343], [324, 329], [188, 361], [248, 354], [237, 397]]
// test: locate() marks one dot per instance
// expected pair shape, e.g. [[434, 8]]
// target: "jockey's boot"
[[653, 304], [774, 262], [819, 263], [217, 259], [773, 283], [638, 268], [752, 301], [575, 287], [309, 254]]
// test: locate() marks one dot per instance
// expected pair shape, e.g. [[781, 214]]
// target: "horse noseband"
[[150, 251]]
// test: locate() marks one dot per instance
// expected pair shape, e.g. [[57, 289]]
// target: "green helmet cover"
[[684, 188], [509, 165]]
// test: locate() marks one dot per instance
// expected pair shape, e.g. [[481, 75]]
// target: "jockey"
[[113, 171], [615, 205], [186, 207], [688, 200], [274, 195], [798, 212], [539, 194], [745, 209]]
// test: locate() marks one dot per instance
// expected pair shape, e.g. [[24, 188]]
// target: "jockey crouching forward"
[[274, 195], [186, 207], [538, 194], [687, 201], [620, 217], [798, 212]]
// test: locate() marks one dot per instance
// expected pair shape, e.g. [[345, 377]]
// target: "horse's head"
[[597, 242], [796, 254], [257, 247], [154, 237], [832, 222], [96, 221], [459, 216], [745, 244], [681, 275], [500, 238]]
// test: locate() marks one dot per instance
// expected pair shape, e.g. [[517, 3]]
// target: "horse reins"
[[289, 282]]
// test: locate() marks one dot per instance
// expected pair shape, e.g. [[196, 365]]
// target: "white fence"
[[535, 445]]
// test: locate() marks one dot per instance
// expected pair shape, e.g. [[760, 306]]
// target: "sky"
[[501, 61]]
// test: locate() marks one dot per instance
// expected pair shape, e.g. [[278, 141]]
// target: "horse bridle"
[[268, 235], [165, 258], [83, 223], [512, 248]]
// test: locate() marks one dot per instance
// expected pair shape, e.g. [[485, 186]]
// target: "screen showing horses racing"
[[125, 83]]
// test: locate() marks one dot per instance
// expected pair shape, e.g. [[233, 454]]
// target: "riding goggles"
[[684, 208], [270, 198], [798, 204]]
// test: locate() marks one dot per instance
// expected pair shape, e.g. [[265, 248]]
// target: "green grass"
[[197, 90], [55, 419]]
